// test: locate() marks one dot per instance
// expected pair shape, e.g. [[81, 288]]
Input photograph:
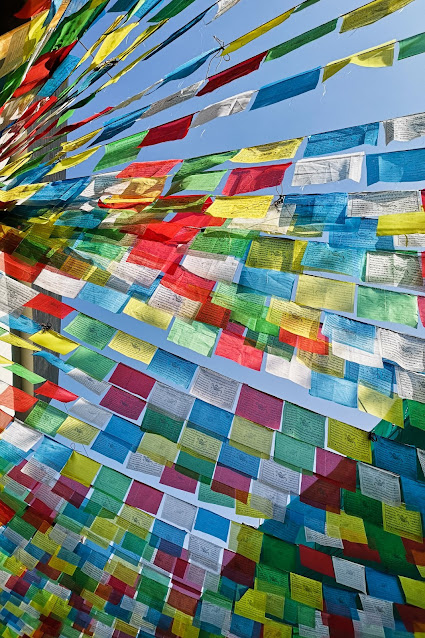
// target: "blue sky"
[[355, 95]]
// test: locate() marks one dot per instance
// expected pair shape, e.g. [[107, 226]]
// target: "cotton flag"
[[110, 43], [370, 13], [300, 40], [380, 56], [74, 160], [246, 180], [268, 152], [256, 33], [168, 132], [235, 72], [328, 169], [248, 207], [223, 6], [230, 106], [287, 88]]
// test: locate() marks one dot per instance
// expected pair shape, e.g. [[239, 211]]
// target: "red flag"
[[32, 8], [149, 169], [45, 66], [175, 130], [53, 391], [235, 72], [50, 306], [16, 399], [255, 178], [233, 347], [317, 561]]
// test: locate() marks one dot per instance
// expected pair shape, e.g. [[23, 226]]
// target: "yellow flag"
[[403, 522], [387, 408], [255, 33], [11, 167], [370, 13], [132, 347], [126, 574], [268, 152], [62, 565], [80, 141], [80, 468], [104, 528], [252, 605], [141, 38], [153, 316], [19, 193], [36, 30], [99, 41], [111, 42], [290, 316], [77, 431], [251, 438], [246, 541], [401, 224], [199, 444], [380, 56], [248, 207], [158, 448], [14, 340], [306, 590], [414, 590], [54, 341], [122, 56], [350, 441], [349, 528], [74, 160], [319, 292], [182, 626], [274, 629]]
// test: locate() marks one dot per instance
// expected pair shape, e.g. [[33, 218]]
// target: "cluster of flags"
[[160, 486]]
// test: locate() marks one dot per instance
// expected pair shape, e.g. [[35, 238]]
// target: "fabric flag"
[[235, 72], [299, 41], [204, 182], [246, 180], [399, 166], [250, 207], [256, 33], [268, 152], [380, 56], [412, 46], [170, 10], [404, 129], [50, 305], [53, 391], [121, 151], [119, 124], [168, 132], [287, 88], [149, 169], [230, 106], [75, 160], [202, 163], [370, 13], [328, 169], [334, 141], [187, 68], [110, 43]]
